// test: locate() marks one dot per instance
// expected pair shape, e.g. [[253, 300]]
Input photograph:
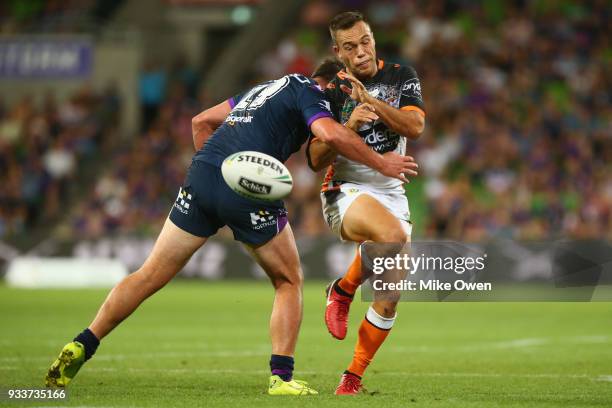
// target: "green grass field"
[[206, 344]]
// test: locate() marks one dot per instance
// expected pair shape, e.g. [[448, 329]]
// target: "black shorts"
[[205, 203]]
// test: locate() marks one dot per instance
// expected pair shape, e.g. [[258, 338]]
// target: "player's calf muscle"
[[385, 308], [149, 281]]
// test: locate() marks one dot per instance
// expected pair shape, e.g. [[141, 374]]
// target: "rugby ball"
[[257, 176]]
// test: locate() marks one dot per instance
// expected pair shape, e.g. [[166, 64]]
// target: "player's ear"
[[336, 49]]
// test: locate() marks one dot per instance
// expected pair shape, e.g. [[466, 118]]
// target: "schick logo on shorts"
[[253, 186], [183, 201], [262, 219]]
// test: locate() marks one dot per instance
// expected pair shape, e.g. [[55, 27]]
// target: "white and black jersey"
[[394, 84]]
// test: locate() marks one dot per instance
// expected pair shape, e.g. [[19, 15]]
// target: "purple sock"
[[282, 366]]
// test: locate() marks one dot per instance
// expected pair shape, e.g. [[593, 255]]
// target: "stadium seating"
[[516, 143], [517, 138], [44, 146]]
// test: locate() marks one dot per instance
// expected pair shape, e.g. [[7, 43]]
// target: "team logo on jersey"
[[412, 88], [183, 202], [262, 219], [347, 109], [387, 93], [377, 135]]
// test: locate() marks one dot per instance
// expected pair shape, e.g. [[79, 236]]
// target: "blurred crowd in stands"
[[44, 143], [518, 140], [134, 194], [59, 16]]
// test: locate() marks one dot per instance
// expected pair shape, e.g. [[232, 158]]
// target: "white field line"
[[507, 344], [167, 344], [81, 406], [263, 349], [591, 339], [500, 345], [603, 378], [173, 354], [485, 375], [162, 354], [386, 373], [192, 371]]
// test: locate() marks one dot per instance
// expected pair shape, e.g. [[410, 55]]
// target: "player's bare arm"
[[350, 145], [321, 154], [206, 122], [406, 122]]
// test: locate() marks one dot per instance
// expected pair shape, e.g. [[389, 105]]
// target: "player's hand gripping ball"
[[257, 176]]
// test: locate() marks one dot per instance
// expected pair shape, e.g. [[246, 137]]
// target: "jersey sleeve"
[[233, 101], [410, 97], [313, 105]]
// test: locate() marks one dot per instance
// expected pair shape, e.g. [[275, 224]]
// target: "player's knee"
[[391, 235], [291, 278]]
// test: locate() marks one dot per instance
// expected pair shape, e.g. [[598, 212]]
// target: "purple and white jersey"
[[272, 118]]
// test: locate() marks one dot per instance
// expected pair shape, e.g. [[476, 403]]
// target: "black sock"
[[353, 374], [89, 341], [282, 366], [339, 290]]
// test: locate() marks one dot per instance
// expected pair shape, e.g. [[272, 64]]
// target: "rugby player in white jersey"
[[382, 102]]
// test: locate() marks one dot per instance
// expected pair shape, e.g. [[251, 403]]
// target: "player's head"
[[326, 71], [354, 44]]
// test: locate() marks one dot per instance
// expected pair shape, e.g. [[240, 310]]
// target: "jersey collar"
[[377, 77]]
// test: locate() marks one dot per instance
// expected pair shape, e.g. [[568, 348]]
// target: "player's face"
[[321, 82], [355, 47]]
